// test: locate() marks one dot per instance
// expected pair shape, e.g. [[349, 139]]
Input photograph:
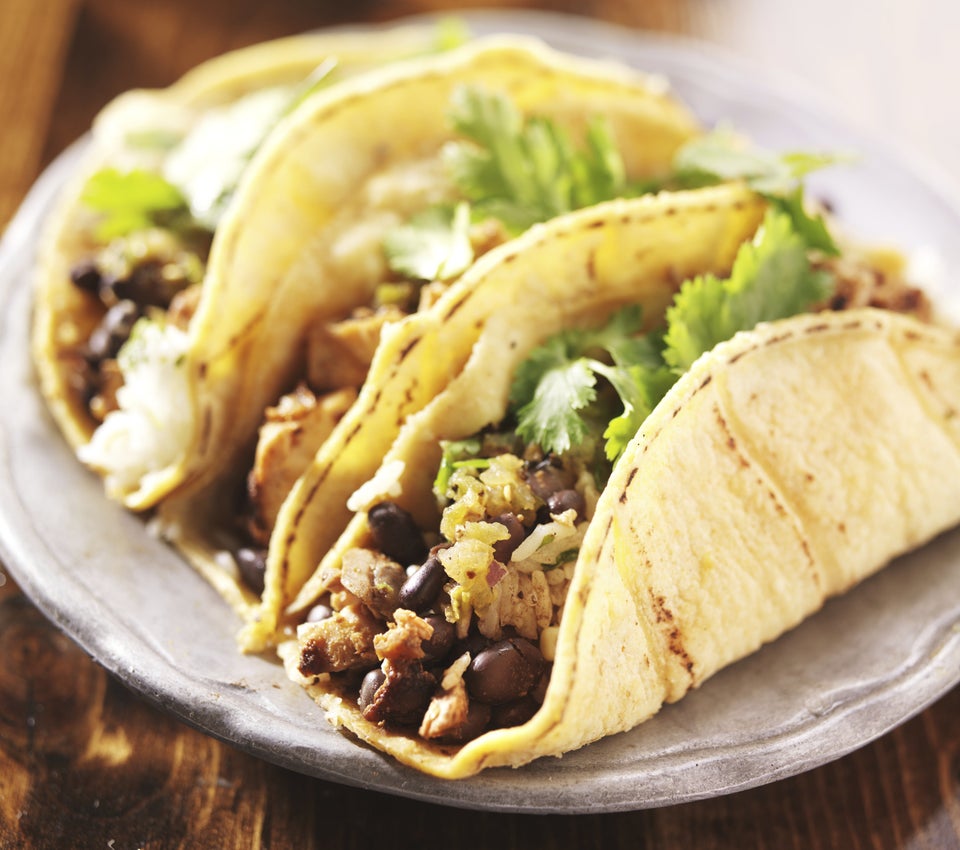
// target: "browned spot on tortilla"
[[778, 338], [842, 527], [592, 266], [808, 476], [778, 505], [805, 545], [676, 646], [202, 370], [606, 531], [405, 351], [205, 428], [317, 484], [705, 381], [812, 329], [740, 354], [660, 610], [458, 304], [731, 440]]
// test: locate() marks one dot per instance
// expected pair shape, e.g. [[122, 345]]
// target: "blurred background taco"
[[132, 239]]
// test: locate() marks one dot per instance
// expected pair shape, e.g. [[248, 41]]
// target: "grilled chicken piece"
[[289, 438], [339, 354]]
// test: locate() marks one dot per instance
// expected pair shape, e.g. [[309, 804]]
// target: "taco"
[[132, 237], [349, 221], [606, 506]]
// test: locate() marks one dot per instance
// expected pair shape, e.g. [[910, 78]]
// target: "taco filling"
[[448, 632], [502, 173]]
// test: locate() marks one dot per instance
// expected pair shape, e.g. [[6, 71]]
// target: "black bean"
[[474, 643], [548, 476], [478, 718], [421, 589], [444, 633], [564, 500], [318, 612], [112, 332], [514, 713], [85, 275], [369, 686], [539, 691], [396, 534], [403, 697], [504, 672], [252, 564], [147, 285], [503, 549]]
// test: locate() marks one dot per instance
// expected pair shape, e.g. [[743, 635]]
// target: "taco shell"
[[785, 466]]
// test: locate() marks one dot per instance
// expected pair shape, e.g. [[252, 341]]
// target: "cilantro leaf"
[[555, 385], [525, 170], [812, 228], [723, 155], [561, 388], [131, 200], [433, 245], [771, 279]]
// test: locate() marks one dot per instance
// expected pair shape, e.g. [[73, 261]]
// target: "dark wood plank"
[[33, 44]]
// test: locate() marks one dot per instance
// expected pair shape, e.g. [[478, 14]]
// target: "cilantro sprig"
[[433, 245], [722, 156], [555, 390], [523, 170], [517, 169], [132, 200]]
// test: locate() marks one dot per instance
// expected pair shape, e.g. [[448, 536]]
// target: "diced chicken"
[[402, 641], [339, 353], [288, 440], [521, 600], [449, 708], [871, 282], [373, 578], [341, 642], [446, 713]]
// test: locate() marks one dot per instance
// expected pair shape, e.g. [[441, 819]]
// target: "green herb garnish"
[[722, 156], [555, 389], [455, 454], [525, 170], [132, 200], [434, 245]]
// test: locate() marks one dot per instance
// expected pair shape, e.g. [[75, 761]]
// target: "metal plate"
[[864, 664]]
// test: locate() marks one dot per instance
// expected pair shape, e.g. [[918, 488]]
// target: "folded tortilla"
[[304, 247], [788, 464]]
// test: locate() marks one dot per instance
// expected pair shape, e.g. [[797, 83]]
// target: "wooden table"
[[84, 763]]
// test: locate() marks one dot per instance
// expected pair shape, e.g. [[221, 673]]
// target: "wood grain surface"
[[86, 764]]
